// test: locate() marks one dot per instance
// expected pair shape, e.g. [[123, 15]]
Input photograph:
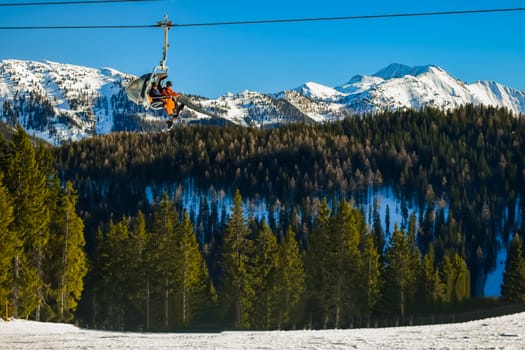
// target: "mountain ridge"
[[62, 102], [398, 70]]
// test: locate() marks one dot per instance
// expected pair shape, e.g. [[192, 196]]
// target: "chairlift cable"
[[81, 27], [80, 2], [269, 21], [345, 18]]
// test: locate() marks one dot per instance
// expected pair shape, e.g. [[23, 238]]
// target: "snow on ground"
[[506, 332]]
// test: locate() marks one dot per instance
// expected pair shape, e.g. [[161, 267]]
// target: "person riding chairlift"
[[155, 94], [167, 97], [171, 105]]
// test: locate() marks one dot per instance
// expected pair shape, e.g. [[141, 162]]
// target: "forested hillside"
[[467, 164], [457, 177], [280, 228]]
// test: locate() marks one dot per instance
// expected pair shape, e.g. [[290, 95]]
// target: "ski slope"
[[506, 332]]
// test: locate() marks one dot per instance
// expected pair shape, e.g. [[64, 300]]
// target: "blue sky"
[[211, 61]]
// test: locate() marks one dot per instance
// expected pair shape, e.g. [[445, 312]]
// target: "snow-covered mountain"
[[398, 86], [394, 87], [60, 102]]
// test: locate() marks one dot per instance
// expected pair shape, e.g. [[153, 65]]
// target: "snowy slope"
[[68, 102], [394, 87], [398, 86], [507, 332], [80, 98]]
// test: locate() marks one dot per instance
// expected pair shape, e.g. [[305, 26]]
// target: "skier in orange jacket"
[[171, 105]]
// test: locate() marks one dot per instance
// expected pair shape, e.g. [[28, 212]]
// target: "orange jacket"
[[169, 103], [168, 91]]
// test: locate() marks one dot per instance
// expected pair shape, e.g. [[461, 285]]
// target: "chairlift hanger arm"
[[166, 25], [138, 90]]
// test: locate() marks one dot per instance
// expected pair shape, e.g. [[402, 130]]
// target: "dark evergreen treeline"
[[34, 105], [308, 246], [155, 276], [42, 257], [461, 171]]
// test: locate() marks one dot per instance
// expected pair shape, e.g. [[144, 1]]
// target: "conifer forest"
[[227, 227]]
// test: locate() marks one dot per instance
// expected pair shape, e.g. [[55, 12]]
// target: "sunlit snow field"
[[507, 332]]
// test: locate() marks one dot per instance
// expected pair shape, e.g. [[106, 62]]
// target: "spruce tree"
[[115, 273], [140, 266], [513, 286], [401, 272], [462, 280], [456, 278], [51, 292], [316, 265], [165, 217], [291, 281], [263, 268], [379, 233], [343, 263], [67, 259], [95, 277], [165, 257], [28, 188], [193, 287], [370, 276], [412, 228], [237, 291], [432, 288], [9, 245], [448, 275]]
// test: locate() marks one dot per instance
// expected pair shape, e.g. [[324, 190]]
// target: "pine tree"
[[141, 268], [28, 188], [513, 286], [192, 279], [237, 291], [67, 257], [118, 275], [401, 272], [9, 245], [379, 233], [344, 263], [432, 288], [263, 268], [115, 273], [165, 257], [95, 279], [370, 276], [462, 280], [45, 163], [412, 228], [317, 265], [165, 217], [456, 278], [291, 279], [447, 273]]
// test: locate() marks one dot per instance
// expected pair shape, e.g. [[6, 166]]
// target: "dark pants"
[[179, 108]]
